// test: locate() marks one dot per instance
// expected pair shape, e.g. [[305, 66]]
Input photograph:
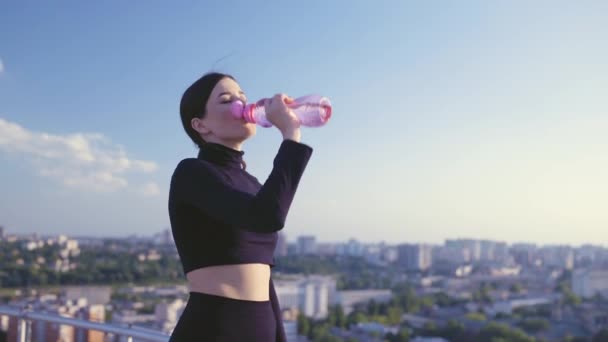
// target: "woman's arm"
[[198, 185]]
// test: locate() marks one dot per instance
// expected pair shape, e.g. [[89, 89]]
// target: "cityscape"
[[462, 290], [446, 185]]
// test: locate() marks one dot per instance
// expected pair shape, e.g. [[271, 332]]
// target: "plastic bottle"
[[312, 111]]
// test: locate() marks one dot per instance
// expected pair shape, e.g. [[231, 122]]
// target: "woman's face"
[[218, 125]]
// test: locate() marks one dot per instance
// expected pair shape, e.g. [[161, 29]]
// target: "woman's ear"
[[199, 126]]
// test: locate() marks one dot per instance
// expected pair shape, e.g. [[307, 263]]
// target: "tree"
[[372, 308], [571, 299], [403, 335], [340, 317], [356, 317], [483, 294], [493, 330], [534, 325], [575, 339], [394, 315], [443, 300], [429, 329], [454, 331], [303, 325], [320, 332], [476, 316], [516, 288]]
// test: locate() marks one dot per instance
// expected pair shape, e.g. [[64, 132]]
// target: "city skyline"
[[479, 120], [294, 239]]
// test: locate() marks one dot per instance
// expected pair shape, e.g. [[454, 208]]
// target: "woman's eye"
[[228, 100]]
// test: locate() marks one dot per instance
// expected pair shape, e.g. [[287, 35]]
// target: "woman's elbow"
[[271, 224]]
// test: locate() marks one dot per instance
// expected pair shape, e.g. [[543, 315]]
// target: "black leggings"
[[214, 318]]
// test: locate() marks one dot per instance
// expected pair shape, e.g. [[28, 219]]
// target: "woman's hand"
[[282, 117]]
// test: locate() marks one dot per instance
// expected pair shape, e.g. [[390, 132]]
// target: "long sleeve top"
[[221, 214]]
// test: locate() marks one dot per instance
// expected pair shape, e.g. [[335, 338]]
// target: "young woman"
[[225, 223]]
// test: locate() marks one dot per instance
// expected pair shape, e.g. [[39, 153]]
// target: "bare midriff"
[[238, 281]]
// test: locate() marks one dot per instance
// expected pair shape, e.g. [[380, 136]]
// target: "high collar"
[[221, 155]]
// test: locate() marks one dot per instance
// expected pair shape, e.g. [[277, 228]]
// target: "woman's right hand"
[[281, 116]]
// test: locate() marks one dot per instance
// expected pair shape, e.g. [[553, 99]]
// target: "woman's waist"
[[238, 281]]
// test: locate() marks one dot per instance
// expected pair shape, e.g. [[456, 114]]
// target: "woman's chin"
[[250, 130], [251, 135]]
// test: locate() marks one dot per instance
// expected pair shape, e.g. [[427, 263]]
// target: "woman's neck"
[[235, 145]]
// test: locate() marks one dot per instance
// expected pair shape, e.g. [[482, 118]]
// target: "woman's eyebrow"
[[228, 93]]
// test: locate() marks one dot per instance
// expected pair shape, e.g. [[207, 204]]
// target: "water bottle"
[[312, 111]]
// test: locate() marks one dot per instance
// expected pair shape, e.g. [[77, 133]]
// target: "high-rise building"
[[525, 254], [587, 282], [314, 295], [501, 252], [44, 331], [306, 244], [311, 295], [353, 248], [292, 248], [390, 254], [415, 257], [167, 237], [281, 249], [326, 248], [451, 255], [558, 256], [94, 313], [487, 250], [167, 314], [473, 247]]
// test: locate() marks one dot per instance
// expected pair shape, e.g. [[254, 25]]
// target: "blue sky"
[[451, 119]]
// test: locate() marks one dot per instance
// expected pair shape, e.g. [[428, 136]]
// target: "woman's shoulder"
[[193, 163], [188, 167]]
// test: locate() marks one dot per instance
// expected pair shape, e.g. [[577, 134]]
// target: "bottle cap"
[[236, 107]]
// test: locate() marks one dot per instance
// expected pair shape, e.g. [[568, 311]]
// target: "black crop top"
[[220, 214]]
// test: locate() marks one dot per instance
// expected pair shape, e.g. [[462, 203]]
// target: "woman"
[[225, 222]]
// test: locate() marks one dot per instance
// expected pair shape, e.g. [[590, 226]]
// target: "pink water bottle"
[[311, 110]]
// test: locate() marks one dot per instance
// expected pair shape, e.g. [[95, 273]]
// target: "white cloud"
[[1, 65], [81, 160], [150, 189]]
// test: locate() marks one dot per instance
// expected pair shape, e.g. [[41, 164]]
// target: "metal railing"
[[26, 317]]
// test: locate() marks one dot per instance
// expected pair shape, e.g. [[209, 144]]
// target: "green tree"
[[498, 330], [454, 331], [340, 316], [320, 332], [429, 329], [476, 316], [303, 325], [394, 315], [356, 317], [403, 335], [534, 325], [516, 288], [575, 339]]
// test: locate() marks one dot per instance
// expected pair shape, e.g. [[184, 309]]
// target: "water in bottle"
[[311, 110]]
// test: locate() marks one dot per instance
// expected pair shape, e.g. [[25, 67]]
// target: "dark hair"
[[194, 104]]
